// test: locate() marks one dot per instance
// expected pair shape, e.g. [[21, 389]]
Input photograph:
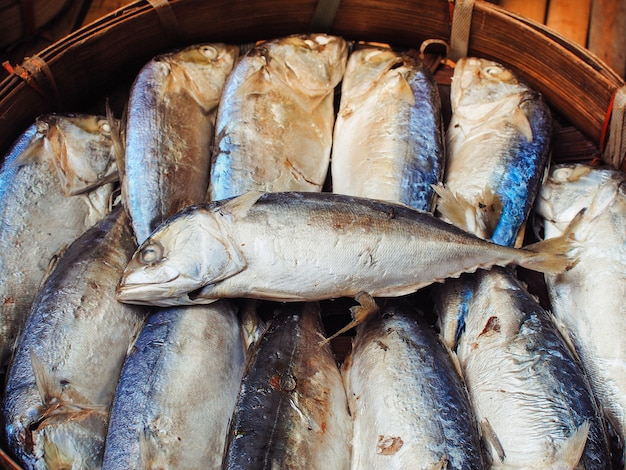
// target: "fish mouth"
[[156, 295]]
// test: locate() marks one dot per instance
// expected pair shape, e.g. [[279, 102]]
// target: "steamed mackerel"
[[497, 144], [292, 410], [177, 390], [306, 246], [68, 360], [169, 132], [388, 136], [55, 183], [275, 120], [409, 404], [588, 300], [532, 399]]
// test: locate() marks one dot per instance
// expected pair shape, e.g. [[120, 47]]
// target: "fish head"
[[187, 252], [199, 71], [312, 63], [82, 150], [570, 188], [478, 80], [368, 65]]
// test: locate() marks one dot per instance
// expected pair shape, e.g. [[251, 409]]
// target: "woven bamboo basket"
[[87, 63], [75, 73]]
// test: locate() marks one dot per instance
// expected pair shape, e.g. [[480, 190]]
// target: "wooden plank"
[[606, 33], [533, 9], [570, 18]]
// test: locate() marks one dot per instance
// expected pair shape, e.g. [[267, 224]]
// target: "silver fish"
[[388, 136], [304, 247], [409, 404], [169, 132], [530, 394], [68, 360], [292, 410], [588, 300], [177, 390], [275, 120], [54, 185], [498, 145]]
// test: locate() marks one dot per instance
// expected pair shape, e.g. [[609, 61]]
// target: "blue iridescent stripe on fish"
[[519, 186]]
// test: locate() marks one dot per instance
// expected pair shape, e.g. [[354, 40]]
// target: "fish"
[[170, 131], [588, 299], [275, 119], [56, 182], [530, 394], [407, 398], [67, 362], [177, 390], [305, 246], [292, 410], [498, 144], [388, 140]]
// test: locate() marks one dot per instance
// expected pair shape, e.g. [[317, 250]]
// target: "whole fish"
[[177, 390], [55, 183], [275, 120], [170, 130], [409, 404], [307, 246], [68, 360], [531, 396], [388, 137], [588, 300], [490, 193], [497, 144], [292, 410]]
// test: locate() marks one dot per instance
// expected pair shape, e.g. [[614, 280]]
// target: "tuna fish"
[[588, 300], [498, 145], [177, 390], [388, 138], [171, 123], [305, 247], [409, 404], [531, 396], [275, 121], [292, 410], [54, 185], [68, 360]]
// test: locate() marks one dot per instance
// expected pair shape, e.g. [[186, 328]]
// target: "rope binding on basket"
[[613, 137], [461, 14], [35, 73], [166, 16]]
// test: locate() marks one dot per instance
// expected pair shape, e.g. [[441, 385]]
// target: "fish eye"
[[209, 52], [151, 253], [561, 174], [493, 70], [104, 126]]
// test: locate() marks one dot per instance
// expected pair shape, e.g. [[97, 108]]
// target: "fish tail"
[[554, 255], [549, 259]]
